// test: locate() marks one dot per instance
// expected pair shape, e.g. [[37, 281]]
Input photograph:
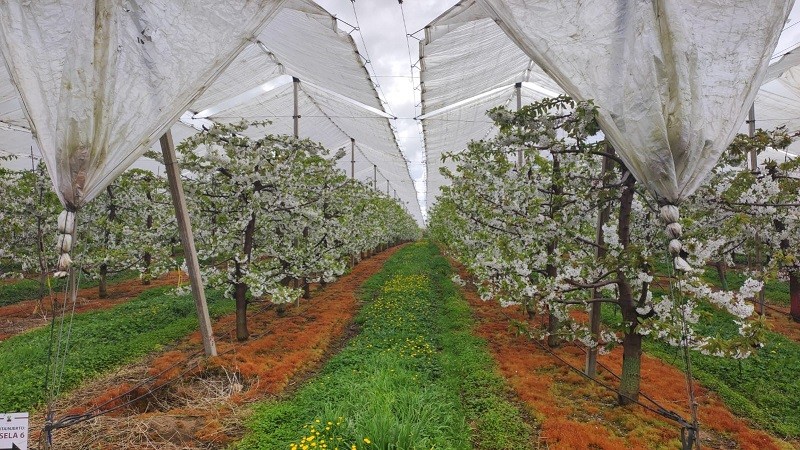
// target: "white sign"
[[14, 431]]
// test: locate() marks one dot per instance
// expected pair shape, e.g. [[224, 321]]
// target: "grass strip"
[[100, 341], [764, 387], [28, 289], [775, 291], [414, 378]]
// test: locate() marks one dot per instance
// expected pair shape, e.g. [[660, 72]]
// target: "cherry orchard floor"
[[31, 314], [203, 409], [577, 414]]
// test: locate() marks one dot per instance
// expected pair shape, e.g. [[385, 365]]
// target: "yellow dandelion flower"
[[367, 441]]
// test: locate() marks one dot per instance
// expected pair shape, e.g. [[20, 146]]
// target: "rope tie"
[[670, 215], [65, 241]]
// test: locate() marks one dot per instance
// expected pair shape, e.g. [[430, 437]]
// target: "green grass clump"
[[414, 378], [100, 341]]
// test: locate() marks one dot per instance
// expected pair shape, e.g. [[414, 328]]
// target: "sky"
[[382, 28]]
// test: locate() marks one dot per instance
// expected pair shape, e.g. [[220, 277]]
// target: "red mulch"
[[283, 350], [575, 413]]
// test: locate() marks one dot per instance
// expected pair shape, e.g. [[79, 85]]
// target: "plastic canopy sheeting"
[[101, 81], [337, 100], [468, 66], [302, 40], [451, 131], [673, 80], [456, 72], [778, 104]]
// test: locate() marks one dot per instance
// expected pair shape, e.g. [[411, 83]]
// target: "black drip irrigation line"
[[688, 430]]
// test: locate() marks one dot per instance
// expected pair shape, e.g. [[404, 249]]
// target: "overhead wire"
[[415, 89], [368, 59]]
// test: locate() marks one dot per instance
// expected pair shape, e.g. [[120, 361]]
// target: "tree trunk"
[[794, 295], [723, 279], [632, 342], [112, 216], [306, 289], [241, 311], [631, 368], [240, 293], [552, 270], [552, 320], [102, 287], [147, 257]]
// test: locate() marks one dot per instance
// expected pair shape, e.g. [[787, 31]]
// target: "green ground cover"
[[100, 341], [414, 378], [28, 289]]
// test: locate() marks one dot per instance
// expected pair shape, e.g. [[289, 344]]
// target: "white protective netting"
[[337, 99], [778, 104], [302, 41], [468, 66], [673, 80], [451, 130], [98, 94], [672, 112]]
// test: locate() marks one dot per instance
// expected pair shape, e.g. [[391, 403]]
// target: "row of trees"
[[570, 228], [271, 216]]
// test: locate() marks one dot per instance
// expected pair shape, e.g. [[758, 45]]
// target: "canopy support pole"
[[296, 116], [352, 158], [751, 122], [600, 251], [751, 129], [518, 89], [187, 239]]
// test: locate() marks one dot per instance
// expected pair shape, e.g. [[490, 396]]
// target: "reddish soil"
[[779, 321], [575, 413], [199, 402], [29, 314]]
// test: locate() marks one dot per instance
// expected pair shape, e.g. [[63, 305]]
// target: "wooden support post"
[[352, 159], [296, 116], [594, 314], [375, 177], [187, 239], [518, 88]]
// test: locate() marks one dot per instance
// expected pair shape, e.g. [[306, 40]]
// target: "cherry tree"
[[130, 226], [529, 235], [272, 211], [27, 220]]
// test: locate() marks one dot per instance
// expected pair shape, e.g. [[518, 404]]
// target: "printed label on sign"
[[14, 431]]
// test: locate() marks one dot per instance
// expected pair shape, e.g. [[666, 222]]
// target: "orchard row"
[[270, 217]]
